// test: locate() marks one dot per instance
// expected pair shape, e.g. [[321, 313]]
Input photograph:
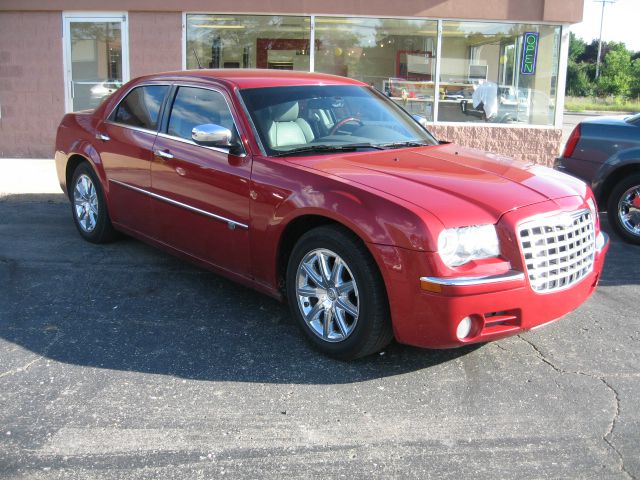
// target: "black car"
[[605, 153]]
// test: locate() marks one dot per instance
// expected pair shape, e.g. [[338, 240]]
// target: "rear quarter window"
[[141, 107]]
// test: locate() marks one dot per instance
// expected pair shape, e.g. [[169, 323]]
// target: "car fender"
[[290, 193], [613, 164]]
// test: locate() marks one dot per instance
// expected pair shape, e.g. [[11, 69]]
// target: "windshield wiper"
[[349, 147], [404, 144]]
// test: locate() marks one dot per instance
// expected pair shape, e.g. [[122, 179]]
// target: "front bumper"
[[498, 305]]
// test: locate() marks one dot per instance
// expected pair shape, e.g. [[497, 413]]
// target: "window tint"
[[141, 107], [197, 106]]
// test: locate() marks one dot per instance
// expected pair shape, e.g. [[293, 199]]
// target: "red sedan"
[[321, 190]]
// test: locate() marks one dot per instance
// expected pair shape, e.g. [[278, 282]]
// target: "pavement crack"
[[27, 366], [608, 435]]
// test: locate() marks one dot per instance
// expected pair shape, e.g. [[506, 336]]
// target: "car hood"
[[460, 186]]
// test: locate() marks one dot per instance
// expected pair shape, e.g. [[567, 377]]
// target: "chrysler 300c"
[[321, 191]]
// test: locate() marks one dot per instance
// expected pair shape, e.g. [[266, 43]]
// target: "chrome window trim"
[[191, 142], [232, 223], [511, 275], [203, 87], [130, 127], [254, 129], [150, 84]]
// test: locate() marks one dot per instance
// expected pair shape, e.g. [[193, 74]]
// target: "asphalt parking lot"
[[120, 361]]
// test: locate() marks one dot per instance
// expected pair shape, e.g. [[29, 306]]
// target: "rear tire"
[[337, 295], [88, 206], [623, 209]]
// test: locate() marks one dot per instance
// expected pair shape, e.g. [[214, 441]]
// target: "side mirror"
[[212, 135], [421, 120]]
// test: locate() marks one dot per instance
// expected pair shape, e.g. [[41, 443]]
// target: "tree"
[[635, 78], [578, 82], [616, 78], [576, 47], [579, 74]]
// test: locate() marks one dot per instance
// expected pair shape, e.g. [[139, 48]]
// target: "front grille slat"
[[558, 251]]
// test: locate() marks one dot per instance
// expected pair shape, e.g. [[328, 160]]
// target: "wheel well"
[[292, 233], [612, 180], [72, 164]]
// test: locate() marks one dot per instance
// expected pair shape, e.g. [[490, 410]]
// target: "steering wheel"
[[344, 121]]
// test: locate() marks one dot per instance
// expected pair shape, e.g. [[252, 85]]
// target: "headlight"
[[458, 246], [592, 207]]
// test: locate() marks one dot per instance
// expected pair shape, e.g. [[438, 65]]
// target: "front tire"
[[623, 208], [88, 206], [337, 295]]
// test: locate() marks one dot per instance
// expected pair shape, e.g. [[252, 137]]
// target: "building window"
[[498, 72], [488, 72], [396, 56], [248, 41]]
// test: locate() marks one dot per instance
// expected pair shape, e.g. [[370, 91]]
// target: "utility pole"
[[603, 2]]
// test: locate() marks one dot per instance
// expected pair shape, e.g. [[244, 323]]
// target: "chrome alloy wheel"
[[629, 210], [85, 201], [327, 295]]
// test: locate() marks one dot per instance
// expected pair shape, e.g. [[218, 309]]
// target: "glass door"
[[96, 58]]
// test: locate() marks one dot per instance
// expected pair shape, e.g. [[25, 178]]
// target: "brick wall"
[[155, 42], [538, 145], [31, 83]]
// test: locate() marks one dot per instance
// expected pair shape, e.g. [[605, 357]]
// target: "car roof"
[[255, 78]]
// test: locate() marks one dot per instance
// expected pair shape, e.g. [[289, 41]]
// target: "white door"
[[96, 57]]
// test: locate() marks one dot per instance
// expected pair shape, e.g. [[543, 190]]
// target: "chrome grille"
[[558, 250]]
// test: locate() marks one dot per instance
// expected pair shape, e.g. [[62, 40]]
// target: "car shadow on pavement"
[[130, 307]]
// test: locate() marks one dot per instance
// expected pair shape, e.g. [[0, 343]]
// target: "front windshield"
[[325, 118]]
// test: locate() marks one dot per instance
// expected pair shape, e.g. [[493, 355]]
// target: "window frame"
[[163, 125], [110, 118]]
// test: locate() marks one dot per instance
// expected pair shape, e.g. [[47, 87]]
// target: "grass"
[[606, 104]]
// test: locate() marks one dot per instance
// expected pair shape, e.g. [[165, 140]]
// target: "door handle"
[[163, 154], [103, 137]]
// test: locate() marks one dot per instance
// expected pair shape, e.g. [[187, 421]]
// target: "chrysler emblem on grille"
[[564, 220]]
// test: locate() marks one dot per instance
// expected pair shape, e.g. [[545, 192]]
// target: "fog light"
[[464, 328]]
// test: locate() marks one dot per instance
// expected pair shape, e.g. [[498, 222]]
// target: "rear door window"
[[141, 107]]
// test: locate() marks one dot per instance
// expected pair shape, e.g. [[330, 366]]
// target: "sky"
[[621, 21]]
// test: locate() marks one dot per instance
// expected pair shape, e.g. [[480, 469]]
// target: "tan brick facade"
[[31, 83], [155, 42], [531, 144]]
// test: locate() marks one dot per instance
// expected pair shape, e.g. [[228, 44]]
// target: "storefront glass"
[[248, 41], [498, 72], [396, 56], [489, 72]]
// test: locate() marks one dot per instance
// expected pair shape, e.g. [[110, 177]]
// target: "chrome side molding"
[[232, 224]]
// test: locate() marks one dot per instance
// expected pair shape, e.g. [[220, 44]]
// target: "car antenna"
[[197, 59]]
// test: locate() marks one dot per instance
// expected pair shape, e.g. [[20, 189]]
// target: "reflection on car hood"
[[456, 184]]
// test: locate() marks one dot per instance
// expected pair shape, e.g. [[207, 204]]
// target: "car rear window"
[[635, 119], [141, 107]]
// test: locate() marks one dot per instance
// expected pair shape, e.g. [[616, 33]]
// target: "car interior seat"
[[286, 127]]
